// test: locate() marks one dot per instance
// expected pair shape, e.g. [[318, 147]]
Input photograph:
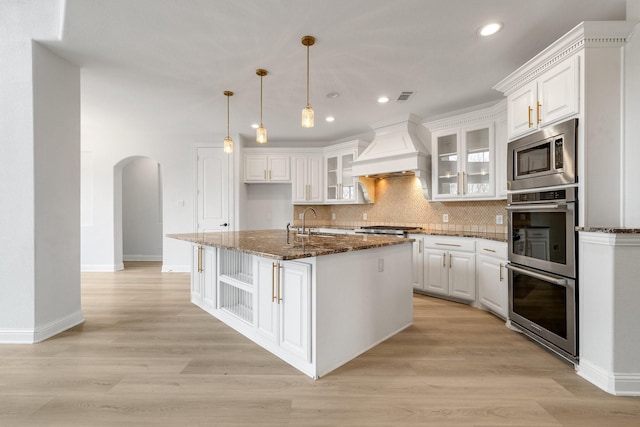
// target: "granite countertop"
[[275, 244], [609, 230], [498, 237]]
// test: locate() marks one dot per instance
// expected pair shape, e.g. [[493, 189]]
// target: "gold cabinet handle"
[[279, 283], [449, 259], [265, 174], [200, 270], [273, 282], [269, 175], [464, 183], [458, 183], [420, 246], [529, 116], [444, 259], [538, 116], [501, 278]]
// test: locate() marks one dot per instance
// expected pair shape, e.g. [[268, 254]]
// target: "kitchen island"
[[316, 301]]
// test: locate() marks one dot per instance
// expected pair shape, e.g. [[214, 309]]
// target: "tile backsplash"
[[400, 201]]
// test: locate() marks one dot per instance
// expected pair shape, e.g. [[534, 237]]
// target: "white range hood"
[[397, 150]]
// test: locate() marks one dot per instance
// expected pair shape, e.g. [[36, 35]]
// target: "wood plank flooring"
[[147, 357]]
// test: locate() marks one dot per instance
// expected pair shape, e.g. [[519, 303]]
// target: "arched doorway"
[[138, 210]]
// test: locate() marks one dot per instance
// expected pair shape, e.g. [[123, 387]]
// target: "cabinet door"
[[492, 284], [210, 275], [558, 92], [300, 184], [418, 262], [446, 170], [478, 179], [255, 168], [462, 275], [279, 168], [348, 189], [267, 304], [521, 110], [436, 278], [333, 178], [315, 179], [295, 309]]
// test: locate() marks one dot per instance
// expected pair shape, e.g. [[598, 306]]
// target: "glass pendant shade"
[[307, 112], [261, 132], [307, 117], [261, 135], [228, 145]]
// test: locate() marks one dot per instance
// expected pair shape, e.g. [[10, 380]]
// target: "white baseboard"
[[41, 333], [613, 383], [101, 268], [176, 268], [142, 257]]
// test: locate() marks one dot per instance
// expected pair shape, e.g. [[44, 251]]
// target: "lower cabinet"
[[284, 305], [204, 276], [472, 270], [449, 267], [492, 276]]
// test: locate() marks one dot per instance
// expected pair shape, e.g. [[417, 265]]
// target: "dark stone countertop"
[[277, 245], [609, 230]]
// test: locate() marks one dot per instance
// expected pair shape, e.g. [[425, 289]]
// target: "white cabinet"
[[551, 97], [449, 267], [340, 184], [308, 179], [203, 276], [418, 261], [284, 305], [267, 168], [492, 279], [464, 162]]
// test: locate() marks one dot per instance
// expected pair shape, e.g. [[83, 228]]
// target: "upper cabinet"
[[465, 155], [553, 96], [340, 184], [308, 178], [267, 168]]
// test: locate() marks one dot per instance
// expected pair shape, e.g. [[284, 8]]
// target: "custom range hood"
[[397, 150]]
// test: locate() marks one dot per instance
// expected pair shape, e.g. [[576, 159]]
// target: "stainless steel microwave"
[[545, 158]]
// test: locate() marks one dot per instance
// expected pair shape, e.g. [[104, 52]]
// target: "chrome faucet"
[[304, 215]]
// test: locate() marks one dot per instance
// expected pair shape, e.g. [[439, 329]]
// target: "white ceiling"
[[162, 65]]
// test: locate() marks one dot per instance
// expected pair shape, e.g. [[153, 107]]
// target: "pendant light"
[[228, 142], [307, 112], [261, 132]]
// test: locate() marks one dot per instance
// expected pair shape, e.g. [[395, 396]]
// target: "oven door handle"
[[532, 207], [555, 280]]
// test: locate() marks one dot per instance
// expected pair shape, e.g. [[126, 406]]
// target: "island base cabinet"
[[284, 305], [203, 277]]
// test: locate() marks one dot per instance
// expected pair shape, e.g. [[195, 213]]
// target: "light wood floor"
[[147, 357]]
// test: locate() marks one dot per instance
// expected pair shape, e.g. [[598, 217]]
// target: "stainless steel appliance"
[[387, 230], [543, 159], [542, 230], [542, 213]]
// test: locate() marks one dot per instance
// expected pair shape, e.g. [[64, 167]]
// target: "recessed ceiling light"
[[330, 118], [383, 99], [489, 29], [333, 95], [255, 125]]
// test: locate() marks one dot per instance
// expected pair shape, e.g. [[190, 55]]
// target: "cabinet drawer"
[[450, 243], [492, 248]]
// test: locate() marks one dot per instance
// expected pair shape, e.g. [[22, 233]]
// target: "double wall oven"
[[542, 210]]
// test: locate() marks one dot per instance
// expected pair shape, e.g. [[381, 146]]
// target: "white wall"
[[268, 206], [631, 147], [39, 176], [56, 94], [142, 210]]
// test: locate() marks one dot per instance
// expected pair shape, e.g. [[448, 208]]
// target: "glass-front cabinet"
[[464, 165], [340, 184]]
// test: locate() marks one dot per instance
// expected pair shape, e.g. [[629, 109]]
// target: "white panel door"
[[436, 277], [462, 275], [559, 92], [267, 306], [213, 189]]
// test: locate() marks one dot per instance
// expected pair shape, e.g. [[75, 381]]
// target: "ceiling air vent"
[[404, 96]]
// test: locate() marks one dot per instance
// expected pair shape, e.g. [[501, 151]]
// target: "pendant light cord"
[[307, 75], [261, 101]]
